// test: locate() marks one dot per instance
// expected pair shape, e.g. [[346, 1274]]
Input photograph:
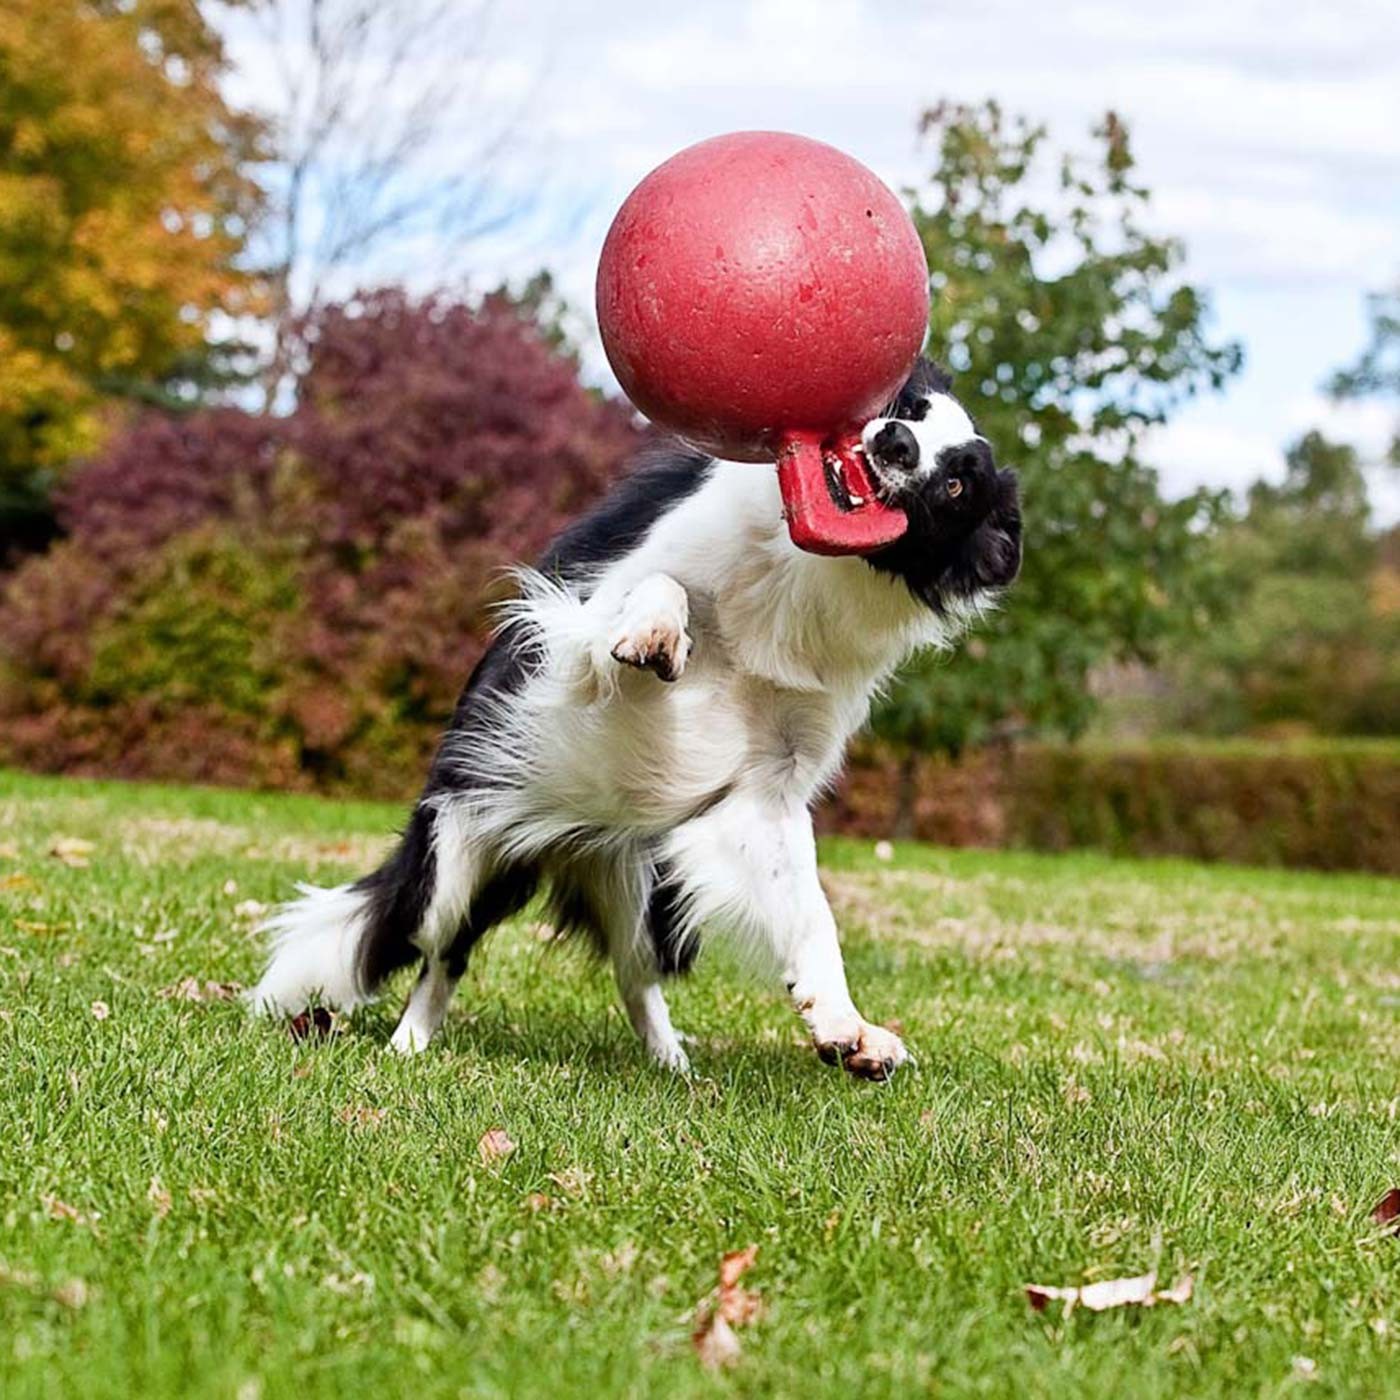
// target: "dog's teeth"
[[854, 499]]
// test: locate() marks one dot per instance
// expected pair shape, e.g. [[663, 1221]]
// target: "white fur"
[[314, 941]]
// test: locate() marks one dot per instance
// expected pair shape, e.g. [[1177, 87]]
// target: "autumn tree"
[[1070, 335], [124, 203]]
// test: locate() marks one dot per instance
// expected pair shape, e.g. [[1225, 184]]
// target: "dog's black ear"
[[927, 379], [994, 550]]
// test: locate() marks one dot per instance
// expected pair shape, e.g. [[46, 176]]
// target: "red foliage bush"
[[297, 600]]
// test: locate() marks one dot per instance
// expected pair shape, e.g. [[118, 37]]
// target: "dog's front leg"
[[754, 868]]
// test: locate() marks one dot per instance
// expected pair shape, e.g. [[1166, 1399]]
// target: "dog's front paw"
[[868, 1052], [651, 634], [661, 646]]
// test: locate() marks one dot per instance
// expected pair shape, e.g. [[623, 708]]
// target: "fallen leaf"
[[315, 1022], [61, 1210], [1387, 1211], [537, 1201], [17, 1278], [1111, 1293], [715, 1343], [494, 1144], [735, 1265], [572, 1181], [619, 1260], [72, 851], [16, 880], [192, 989], [159, 1198], [361, 1115], [730, 1305], [73, 1294]]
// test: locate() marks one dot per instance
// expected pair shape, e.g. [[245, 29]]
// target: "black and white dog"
[[644, 736]]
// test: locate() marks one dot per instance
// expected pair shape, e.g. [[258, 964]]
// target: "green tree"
[[1376, 373], [1070, 335], [124, 205], [1310, 639]]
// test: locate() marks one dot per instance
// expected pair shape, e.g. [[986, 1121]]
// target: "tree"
[[1376, 373], [124, 204], [1309, 640], [382, 138], [1070, 335], [312, 587]]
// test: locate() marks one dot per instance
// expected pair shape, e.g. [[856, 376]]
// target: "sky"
[[1268, 133]]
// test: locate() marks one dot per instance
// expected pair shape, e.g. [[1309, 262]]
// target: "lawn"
[[1121, 1064]]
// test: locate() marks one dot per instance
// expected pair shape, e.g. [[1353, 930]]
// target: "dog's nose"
[[895, 446]]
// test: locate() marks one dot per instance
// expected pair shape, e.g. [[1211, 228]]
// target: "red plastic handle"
[[816, 522]]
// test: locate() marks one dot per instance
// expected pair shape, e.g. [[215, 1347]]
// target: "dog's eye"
[[955, 487]]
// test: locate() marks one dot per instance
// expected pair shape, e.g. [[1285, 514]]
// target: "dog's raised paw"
[[661, 646]]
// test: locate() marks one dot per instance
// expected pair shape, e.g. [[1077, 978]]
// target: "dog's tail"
[[338, 945]]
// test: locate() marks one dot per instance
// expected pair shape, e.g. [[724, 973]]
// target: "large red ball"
[[758, 284]]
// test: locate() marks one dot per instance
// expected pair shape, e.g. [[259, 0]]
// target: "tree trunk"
[[906, 793]]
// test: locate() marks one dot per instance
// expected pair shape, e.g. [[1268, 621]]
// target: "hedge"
[[1331, 805]]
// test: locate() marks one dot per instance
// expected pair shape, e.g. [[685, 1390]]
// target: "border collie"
[[674, 685]]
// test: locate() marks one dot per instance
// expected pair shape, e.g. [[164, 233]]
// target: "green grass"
[[1118, 1062]]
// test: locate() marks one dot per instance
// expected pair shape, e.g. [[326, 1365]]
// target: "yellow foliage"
[[124, 204]]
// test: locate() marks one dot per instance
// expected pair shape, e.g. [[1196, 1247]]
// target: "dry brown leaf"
[[494, 1144], [1111, 1293], [537, 1201], [72, 851], [361, 1115], [73, 1294], [730, 1305], [572, 1181], [61, 1210], [1387, 1210], [192, 989], [159, 1198], [16, 880], [735, 1265], [715, 1343]]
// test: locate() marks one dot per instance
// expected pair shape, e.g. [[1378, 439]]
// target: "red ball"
[[759, 285]]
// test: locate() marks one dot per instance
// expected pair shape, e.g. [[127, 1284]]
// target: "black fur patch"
[[507, 892], [675, 953], [398, 894], [662, 480]]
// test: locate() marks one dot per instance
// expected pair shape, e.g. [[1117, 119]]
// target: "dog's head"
[[927, 458]]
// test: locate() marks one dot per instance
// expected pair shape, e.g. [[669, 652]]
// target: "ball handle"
[[816, 522]]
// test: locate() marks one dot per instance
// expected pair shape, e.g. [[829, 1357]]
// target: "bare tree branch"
[[385, 134]]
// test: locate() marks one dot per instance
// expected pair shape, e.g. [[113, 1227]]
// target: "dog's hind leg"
[[502, 894], [483, 896], [609, 897]]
